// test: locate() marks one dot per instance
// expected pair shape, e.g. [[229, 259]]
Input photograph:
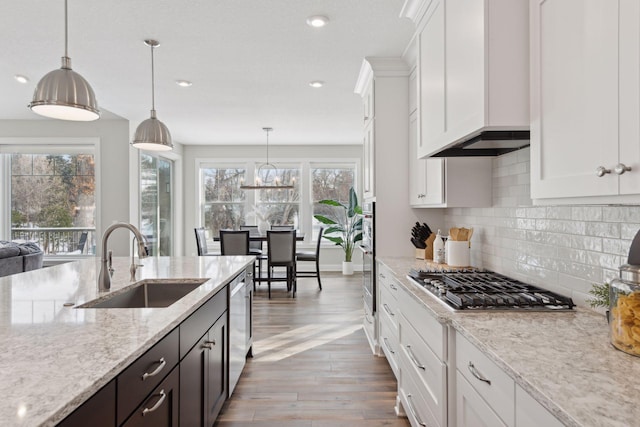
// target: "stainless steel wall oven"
[[368, 248]]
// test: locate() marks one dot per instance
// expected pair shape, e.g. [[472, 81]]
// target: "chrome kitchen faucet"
[[106, 268]]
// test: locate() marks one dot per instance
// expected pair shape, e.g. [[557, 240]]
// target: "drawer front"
[[426, 369], [196, 325], [389, 308], [430, 330], [153, 366], [389, 344], [472, 410], [491, 382], [413, 400], [161, 408]]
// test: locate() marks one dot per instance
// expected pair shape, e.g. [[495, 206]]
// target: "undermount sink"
[[147, 293]]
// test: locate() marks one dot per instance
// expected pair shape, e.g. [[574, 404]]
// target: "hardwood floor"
[[312, 365]]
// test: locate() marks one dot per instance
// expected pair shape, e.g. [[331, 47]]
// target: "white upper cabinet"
[[473, 68], [442, 182], [585, 99]]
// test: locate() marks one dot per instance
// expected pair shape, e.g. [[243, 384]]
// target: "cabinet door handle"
[[209, 344], [163, 396], [602, 171], [392, 286], [413, 359], [383, 276], [621, 168], [413, 411], [388, 310], [477, 374], [386, 344], [162, 363]]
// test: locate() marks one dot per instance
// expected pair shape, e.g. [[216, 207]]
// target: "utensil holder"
[[458, 253]]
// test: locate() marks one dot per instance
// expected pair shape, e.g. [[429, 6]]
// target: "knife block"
[[426, 253]]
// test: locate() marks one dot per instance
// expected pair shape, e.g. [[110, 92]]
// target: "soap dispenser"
[[438, 249]]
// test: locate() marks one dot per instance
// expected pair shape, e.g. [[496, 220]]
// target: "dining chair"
[[311, 257], [281, 252], [282, 227], [201, 242], [255, 248], [234, 242]]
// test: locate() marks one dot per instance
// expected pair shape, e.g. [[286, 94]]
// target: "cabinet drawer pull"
[[392, 286], [162, 363], [388, 310], [621, 168], [602, 171], [209, 344], [386, 344], [163, 396], [413, 411], [383, 276], [366, 316], [477, 374], [414, 360]]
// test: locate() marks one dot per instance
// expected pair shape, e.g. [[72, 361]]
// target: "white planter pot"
[[347, 268]]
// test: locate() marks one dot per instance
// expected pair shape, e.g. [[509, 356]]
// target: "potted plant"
[[345, 227]]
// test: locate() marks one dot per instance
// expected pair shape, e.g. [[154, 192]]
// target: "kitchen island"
[[55, 356], [563, 360]]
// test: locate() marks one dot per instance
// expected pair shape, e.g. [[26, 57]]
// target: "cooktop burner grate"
[[474, 289]]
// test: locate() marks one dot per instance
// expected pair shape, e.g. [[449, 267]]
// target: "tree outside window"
[[224, 201], [53, 191], [279, 207]]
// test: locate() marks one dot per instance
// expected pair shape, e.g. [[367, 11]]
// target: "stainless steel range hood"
[[487, 143]]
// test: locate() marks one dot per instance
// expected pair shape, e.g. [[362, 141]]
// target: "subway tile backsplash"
[[566, 249]]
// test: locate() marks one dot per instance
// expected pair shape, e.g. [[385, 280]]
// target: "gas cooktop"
[[475, 289]]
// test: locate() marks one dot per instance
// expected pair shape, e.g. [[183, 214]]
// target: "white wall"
[[331, 258], [113, 181], [566, 249]]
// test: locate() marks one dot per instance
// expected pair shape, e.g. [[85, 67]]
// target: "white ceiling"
[[250, 62]]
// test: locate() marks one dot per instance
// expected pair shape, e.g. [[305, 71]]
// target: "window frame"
[[47, 145], [305, 220]]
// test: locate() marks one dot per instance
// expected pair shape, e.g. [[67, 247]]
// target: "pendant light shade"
[[64, 94], [152, 134]]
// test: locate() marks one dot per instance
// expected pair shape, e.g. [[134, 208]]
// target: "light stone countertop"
[[563, 359], [54, 357]]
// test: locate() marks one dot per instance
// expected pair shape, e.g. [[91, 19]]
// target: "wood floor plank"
[[312, 365]]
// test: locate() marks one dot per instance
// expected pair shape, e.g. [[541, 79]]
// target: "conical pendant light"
[[65, 94], [152, 134]]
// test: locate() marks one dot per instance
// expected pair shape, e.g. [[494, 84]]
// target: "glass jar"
[[624, 306]]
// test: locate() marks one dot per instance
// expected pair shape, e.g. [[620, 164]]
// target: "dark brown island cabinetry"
[[183, 380]]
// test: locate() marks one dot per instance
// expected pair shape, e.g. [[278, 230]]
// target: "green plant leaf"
[[323, 219], [332, 203], [353, 203], [336, 240]]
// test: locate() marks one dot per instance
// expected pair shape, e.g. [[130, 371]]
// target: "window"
[[330, 181], [156, 207], [223, 202], [225, 205], [279, 207], [53, 200]]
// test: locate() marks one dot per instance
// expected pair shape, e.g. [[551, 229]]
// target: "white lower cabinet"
[[529, 413], [388, 316], [471, 409], [423, 370]]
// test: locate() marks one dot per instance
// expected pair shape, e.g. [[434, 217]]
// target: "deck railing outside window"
[[59, 241]]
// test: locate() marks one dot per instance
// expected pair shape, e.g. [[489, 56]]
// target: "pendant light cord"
[[66, 31], [267, 146], [153, 87]]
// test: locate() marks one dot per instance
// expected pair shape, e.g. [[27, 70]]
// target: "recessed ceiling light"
[[316, 83], [183, 83], [21, 79], [317, 21]]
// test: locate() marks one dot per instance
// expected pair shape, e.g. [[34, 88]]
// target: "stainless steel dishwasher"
[[239, 324]]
